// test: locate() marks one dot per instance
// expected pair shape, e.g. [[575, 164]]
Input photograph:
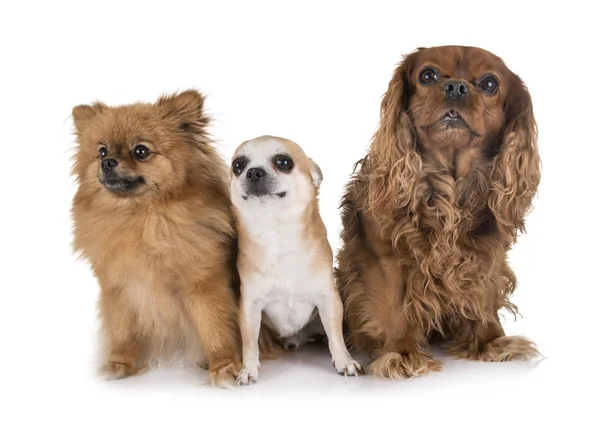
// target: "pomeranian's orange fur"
[[164, 251]]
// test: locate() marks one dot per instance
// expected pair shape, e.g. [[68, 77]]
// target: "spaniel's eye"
[[238, 166], [141, 152], [428, 76], [488, 84], [103, 152], [283, 162]]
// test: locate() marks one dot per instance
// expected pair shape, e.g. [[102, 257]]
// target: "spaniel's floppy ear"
[[186, 108], [84, 112], [516, 172], [393, 162]]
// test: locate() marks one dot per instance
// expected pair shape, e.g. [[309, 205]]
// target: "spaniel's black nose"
[[456, 89]]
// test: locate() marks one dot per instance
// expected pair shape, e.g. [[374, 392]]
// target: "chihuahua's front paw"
[[248, 375], [347, 366]]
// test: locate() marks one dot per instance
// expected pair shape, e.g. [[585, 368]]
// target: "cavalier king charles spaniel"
[[432, 210]]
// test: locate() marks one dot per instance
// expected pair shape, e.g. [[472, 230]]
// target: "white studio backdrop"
[[313, 72]]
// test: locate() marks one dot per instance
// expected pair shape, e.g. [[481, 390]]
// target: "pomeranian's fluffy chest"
[[134, 243], [148, 255], [282, 273]]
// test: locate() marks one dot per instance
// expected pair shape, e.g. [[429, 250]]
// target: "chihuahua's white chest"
[[287, 314], [283, 281]]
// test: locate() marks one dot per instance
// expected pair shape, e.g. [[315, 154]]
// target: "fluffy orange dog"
[[435, 207], [153, 218]]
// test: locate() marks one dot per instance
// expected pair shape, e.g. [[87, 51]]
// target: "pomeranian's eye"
[[283, 162], [428, 76], [488, 84], [103, 152], [141, 152], [238, 166]]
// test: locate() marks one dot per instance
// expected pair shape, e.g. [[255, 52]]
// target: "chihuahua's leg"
[[331, 313], [124, 339], [250, 318], [213, 312]]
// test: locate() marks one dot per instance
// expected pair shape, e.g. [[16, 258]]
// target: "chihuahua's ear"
[[85, 112], [186, 107], [315, 173]]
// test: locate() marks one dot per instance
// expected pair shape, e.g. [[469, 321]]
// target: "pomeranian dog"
[[285, 261], [153, 218]]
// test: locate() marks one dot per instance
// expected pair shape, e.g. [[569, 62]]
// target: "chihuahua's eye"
[[283, 162], [103, 152], [238, 166], [488, 84], [428, 76], [141, 152]]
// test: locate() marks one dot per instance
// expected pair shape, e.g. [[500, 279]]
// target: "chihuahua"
[[284, 259]]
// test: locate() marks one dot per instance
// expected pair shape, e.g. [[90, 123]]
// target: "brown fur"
[[164, 252], [430, 214]]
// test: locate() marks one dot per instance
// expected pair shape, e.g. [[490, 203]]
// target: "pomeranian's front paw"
[[248, 375], [117, 370], [223, 376], [347, 366]]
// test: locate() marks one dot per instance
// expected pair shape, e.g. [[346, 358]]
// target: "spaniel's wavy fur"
[[429, 216]]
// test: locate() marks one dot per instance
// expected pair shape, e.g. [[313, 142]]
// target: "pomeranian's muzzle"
[[115, 182]]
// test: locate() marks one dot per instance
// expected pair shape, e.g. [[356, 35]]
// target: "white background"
[[314, 73]]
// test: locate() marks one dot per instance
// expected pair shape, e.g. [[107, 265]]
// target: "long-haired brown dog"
[[430, 215], [153, 218]]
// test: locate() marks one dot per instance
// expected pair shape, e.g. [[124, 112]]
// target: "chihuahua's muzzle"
[[116, 182], [258, 183]]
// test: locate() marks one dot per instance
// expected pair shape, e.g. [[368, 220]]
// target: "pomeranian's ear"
[[85, 112], [315, 173], [186, 107]]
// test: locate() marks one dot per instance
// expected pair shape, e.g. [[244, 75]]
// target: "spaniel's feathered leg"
[[403, 358], [399, 328], [485, 340]]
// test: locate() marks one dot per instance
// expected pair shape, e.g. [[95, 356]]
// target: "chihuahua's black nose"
[[254, 174], [108, 164], [456, 89]]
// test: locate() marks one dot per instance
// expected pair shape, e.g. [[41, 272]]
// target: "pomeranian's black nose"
[[254, 174], [108, 164]]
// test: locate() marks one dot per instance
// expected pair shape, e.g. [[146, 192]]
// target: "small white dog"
[[285, 261]]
